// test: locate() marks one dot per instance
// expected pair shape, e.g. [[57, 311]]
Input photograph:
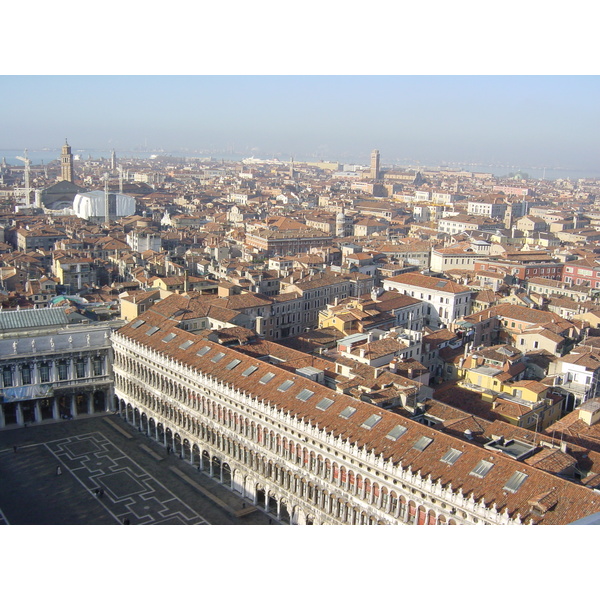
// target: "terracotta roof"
[[430, 283], [572, 501]]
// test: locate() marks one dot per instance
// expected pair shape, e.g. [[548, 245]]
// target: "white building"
[[427, 212], [493, 209], [53, 368], [92, 205], [146, 239], [458, 224], [309, 455], [446, 259], [577, 376], [445, 299]]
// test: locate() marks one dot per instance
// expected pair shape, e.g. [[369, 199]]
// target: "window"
[[152, 330], [186, 344], [304, 395], [7, 377], [347, 412], [80, 368], [137, 323], [26, 375], [217, 357], [325, 404], [266, 378], [515, 482], [98, 366], [451, 456], [249, 371], [44, 372], [168, 337], [371, 422], [396, 433], [422, 443], [233, 364], [482, 468], [62, 370], [286, 385], [203, 351]]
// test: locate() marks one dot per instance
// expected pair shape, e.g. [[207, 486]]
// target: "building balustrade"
[[180, 389]]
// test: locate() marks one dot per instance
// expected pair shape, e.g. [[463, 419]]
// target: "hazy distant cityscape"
[[498, 170]]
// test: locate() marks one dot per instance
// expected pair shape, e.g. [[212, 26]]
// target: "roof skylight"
[[304, 395], [515, 482], [482, 468], [286, 385], [347, 412], [371, 422], [451, 456], [266, 378], [396, 433], [325, 404], [422, 443]]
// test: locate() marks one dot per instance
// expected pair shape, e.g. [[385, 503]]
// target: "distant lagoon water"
[[39, 157]]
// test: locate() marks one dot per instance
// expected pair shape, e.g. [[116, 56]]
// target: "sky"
[[514, 120], [436, 83]]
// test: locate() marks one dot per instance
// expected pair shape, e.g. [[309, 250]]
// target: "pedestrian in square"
[[58, 470]]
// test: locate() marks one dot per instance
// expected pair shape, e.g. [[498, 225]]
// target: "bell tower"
[[66, 163], [374, 165]]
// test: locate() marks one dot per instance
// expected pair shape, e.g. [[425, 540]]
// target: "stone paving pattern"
[[139, 479]]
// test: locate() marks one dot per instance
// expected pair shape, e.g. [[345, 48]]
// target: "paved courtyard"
[[58, 469]]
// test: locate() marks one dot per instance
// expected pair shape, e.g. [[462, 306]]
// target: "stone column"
[[73, 406], [19, 408], [55, 409], [37, 412], [90, 403], [2, 420]]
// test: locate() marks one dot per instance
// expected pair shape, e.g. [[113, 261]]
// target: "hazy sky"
[[515, 120]]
